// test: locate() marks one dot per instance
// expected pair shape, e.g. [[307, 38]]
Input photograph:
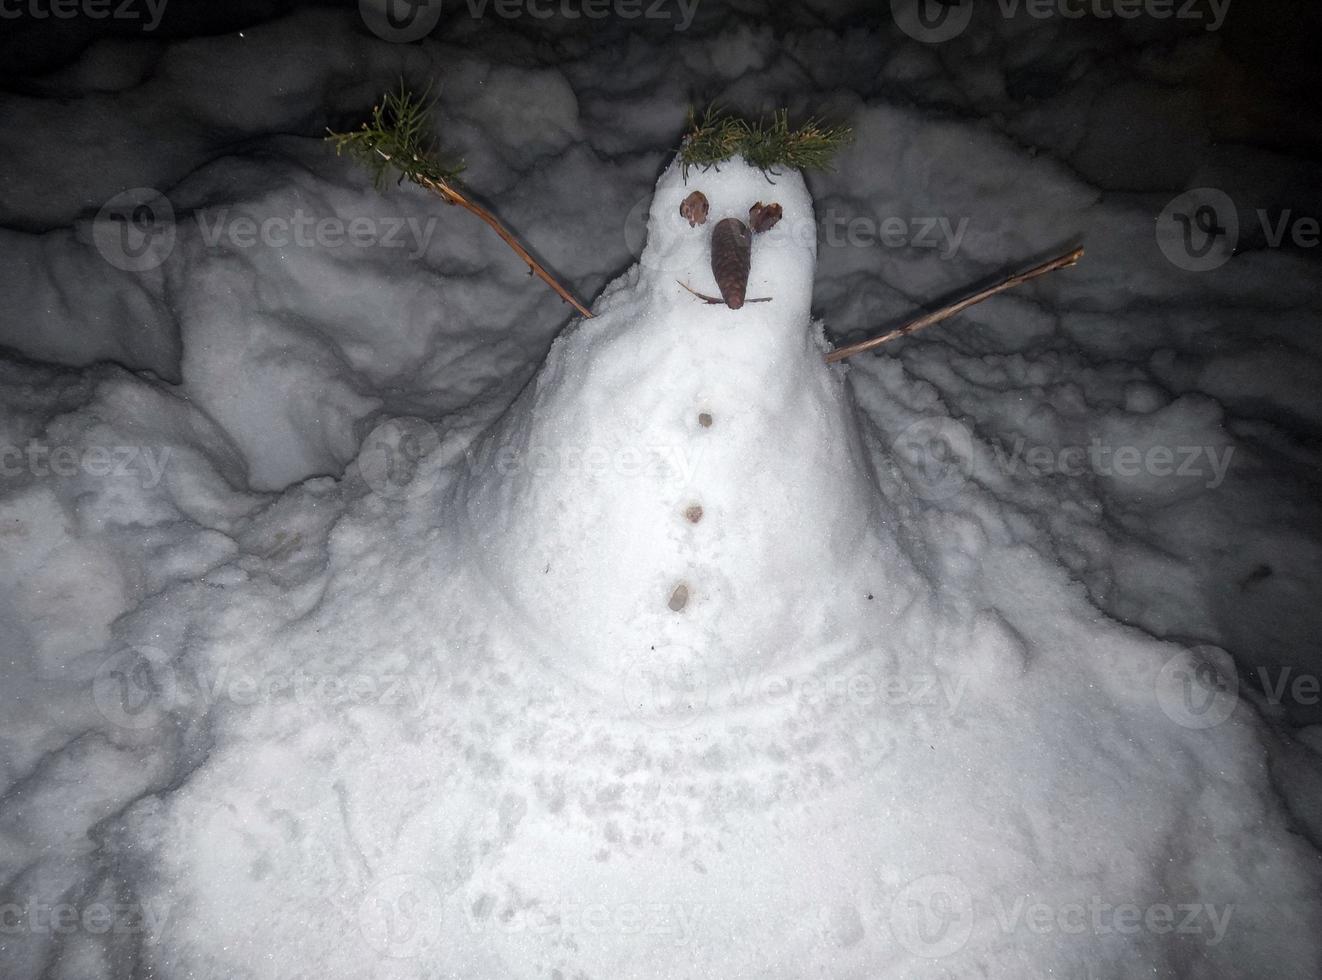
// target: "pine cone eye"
[[763, 217], [694, 208]]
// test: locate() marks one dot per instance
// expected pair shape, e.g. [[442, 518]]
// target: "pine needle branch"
[[397, 140], [765, 144]]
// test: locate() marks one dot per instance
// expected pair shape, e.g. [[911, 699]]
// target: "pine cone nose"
[[731, 258]]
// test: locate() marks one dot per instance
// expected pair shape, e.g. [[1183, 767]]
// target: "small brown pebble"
[[679, 598], [704, 419], [694, 208], [694, 513], [763, 217]]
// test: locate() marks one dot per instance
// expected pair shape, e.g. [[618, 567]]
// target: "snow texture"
[[363, 616]]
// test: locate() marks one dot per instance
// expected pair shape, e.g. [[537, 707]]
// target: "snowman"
[[685, 482]]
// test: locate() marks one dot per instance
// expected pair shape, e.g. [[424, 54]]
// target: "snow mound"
[[912, 748], [263, 715]]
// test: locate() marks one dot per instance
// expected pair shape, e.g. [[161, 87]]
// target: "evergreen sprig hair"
[[767, 144]]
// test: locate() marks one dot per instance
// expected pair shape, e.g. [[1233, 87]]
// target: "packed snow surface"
[[350, 631]]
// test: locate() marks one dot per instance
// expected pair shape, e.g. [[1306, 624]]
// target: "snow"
[[341, 599]]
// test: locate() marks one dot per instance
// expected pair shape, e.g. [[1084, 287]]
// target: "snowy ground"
[[339, 642]]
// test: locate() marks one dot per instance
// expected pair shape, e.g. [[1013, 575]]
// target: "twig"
[[397, 138], [717, 301], [452, 196], [945, 312]]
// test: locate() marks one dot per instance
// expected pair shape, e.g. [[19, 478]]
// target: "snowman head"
[[699, 228]]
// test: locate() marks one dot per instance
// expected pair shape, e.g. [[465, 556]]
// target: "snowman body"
[[683, 477]]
